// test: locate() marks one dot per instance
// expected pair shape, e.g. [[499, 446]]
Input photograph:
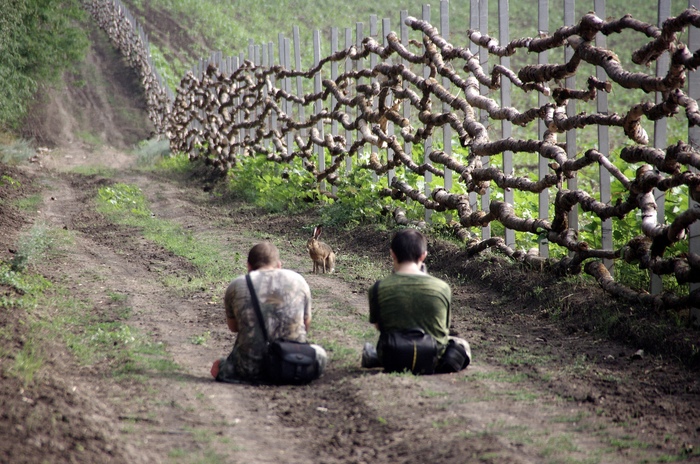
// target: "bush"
[[39, 39], [272, 186]]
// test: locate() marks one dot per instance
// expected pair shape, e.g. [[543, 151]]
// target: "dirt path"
[[104, 261], [533, 394]]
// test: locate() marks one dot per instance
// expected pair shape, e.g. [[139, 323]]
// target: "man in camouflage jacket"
[[285, 303]]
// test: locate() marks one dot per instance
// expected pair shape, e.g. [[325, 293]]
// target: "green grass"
[[364, 267], [129, 352], [36, 243], [180, 455], [496, 376], [16, 152], [28, 361], [47, 313], [126, 204], [520, 356], [571, 419], [153, 152], [9, 180], [341, 354], [558, 445], [627, 442], [117, 297], [101, 171], [26, 287], [200, 339], [30, 203], [428, 393], [90, 138]]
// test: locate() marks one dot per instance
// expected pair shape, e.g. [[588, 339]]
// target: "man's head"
[[264, 254], [409, 245]]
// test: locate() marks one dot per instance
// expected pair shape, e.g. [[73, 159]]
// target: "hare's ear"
[[317, 231]]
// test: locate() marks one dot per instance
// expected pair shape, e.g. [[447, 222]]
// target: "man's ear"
[[250, 268], [279, 264], [422, 257]]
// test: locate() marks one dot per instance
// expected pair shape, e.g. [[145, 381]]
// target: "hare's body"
[[321, 254]]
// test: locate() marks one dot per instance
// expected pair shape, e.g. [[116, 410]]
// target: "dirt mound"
[[100, 102]]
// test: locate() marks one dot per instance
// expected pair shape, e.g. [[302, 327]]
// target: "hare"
[[321, 254]]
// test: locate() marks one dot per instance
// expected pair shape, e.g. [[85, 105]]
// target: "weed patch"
[[126, 204], [156, 152]]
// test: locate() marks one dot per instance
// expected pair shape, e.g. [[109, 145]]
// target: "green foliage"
[[123, 198], [126, 204], [171, 71], [24, 284], [16, 151], [33, 245], [272, 186], [291, 188], [200, 339], [178, 163], [9, 180], [39, 39], [358, 200], [152, 151], [630, 226], [228, 30]]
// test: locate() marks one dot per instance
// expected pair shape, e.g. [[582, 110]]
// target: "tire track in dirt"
[[188, 408]]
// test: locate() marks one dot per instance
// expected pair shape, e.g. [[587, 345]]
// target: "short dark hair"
[[263, 254], [409, 245]]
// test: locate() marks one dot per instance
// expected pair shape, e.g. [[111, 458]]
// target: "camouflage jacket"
[[285, 302]]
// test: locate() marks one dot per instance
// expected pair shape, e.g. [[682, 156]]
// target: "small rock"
[[639, 354]]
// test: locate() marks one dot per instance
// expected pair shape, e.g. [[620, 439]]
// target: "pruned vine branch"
[[222, 117]]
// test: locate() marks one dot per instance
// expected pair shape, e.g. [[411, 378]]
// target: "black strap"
[[375, 303], [256, 305]]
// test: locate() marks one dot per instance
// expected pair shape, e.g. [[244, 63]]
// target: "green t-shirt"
[[413, 300]]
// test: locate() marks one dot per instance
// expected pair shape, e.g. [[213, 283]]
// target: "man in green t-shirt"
[[410, 298]]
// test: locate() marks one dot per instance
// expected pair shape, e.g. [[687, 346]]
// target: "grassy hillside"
[[39, 39], [212, 25], [182, 31]]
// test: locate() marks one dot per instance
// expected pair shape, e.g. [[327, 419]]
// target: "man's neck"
[[265, 268], [408, 267]]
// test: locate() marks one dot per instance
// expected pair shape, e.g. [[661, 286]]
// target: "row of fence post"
[[479, 21]]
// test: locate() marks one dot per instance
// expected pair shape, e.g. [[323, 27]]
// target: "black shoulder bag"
[[406, 350], [285, 361]]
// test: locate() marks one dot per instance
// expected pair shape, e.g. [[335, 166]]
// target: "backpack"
[[286, 361], [410, 350]]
